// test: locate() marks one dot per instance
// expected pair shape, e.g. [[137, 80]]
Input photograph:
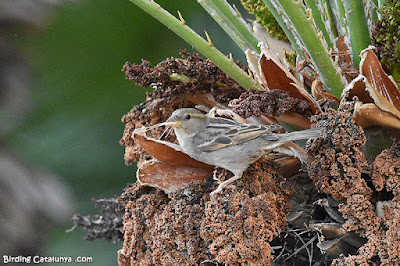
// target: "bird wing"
[[221, 133]]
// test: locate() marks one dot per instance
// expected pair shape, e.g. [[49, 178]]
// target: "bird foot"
[[215, 174], [224, 185]]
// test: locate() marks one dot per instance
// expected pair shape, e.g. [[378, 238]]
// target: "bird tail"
[[302, 134]]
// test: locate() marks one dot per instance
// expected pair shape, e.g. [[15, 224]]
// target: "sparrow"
[[227, 143]]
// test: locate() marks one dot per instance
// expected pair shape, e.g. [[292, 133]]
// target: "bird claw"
[[215, 175]]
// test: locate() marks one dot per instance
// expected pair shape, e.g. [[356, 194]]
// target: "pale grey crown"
[[192, 120]]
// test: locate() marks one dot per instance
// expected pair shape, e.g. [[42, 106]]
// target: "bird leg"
[[293, 152], [225, 184]]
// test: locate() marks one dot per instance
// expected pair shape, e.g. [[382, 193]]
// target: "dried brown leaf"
[[367, 115], [172, 169], [343, 49], [318, 92], [167, 152], [295, 119], [378, 93], [357, 88], [170, 177], [385, 90]]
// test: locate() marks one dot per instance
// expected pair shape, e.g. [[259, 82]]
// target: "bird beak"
[[166, 123], [171, 122]]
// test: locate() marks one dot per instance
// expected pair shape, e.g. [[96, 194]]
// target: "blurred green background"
[[79, 95]]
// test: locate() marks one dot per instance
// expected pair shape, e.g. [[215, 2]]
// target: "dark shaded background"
[[62, 96]]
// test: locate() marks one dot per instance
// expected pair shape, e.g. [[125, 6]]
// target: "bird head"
[[189, 120]]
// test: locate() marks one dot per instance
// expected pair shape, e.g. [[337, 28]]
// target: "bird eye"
[[188, 117]]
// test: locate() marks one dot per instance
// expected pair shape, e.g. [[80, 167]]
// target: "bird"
[[227, 143]]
